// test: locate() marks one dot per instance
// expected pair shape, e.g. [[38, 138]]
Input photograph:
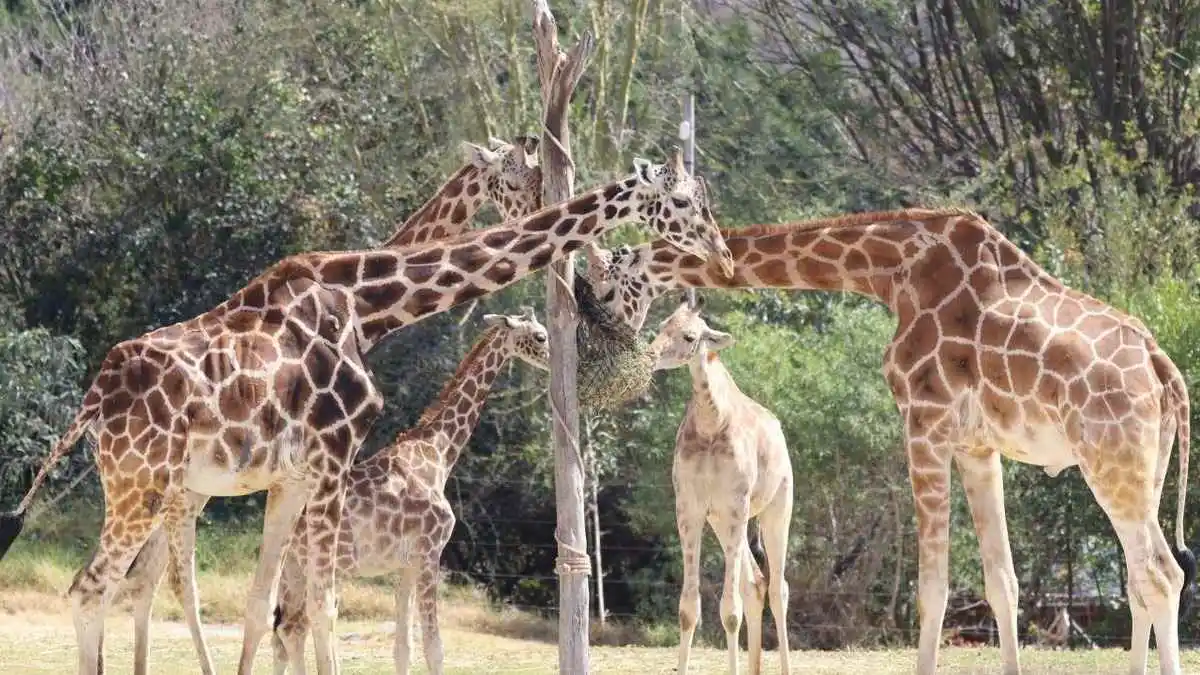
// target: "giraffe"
[[396, 516], [269, 390], [731, 464], [507, 175], [992, 356]]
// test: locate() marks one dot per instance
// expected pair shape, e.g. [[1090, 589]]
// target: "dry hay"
[[615, 365]]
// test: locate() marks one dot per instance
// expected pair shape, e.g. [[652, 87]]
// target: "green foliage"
[[39, 394]]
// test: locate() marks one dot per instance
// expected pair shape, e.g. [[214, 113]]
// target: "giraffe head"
[[621, 280], [676, 204], [524, 337], [510, 172], [684, 337]]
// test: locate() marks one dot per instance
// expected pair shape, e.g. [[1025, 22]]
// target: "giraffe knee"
[[688, 619]]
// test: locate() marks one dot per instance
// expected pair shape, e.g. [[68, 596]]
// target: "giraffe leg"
[[774, 523], [691, 530], [284, 503], [181, 540], [322, 521], [431, 637], [406, 587], [291, 621], [1155, 580], [983, 480], [142, 582], [929, 473], [754, 599], [121, 538], [731, 532]]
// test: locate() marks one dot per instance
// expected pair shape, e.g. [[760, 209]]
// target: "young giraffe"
[[731, 464], [507, 175], [396, 516], [269, 390], [992, 356]]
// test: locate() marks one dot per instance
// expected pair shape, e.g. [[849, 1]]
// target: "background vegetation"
[[154, 156]]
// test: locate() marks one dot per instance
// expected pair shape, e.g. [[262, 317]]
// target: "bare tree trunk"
[[559, 74], [594, 505]]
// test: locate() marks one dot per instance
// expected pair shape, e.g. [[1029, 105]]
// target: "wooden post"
[[559, 73], [687, 134]]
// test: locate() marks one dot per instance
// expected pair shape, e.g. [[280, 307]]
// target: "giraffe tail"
[[1183, 556], [12, 522]]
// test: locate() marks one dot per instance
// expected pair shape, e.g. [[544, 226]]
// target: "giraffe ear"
[[478, 155], [717, 340], [597, 258], [644, 169], [493, 319], [496, 144]]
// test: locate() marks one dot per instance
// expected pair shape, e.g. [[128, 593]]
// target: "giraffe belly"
[[208, 475], [1042, 445]]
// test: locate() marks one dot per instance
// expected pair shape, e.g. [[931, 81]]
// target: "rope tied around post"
[[571, 560]]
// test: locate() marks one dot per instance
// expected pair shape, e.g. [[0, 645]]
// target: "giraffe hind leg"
[[121, 538], [1155, 579]]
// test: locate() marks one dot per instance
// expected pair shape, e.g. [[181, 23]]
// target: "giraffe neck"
[[711, 392], [447, 424], [395, 288], [447, 212], [860, 253]]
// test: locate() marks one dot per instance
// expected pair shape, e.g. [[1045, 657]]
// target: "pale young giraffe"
[[269, 390], [507, 175], [992, 356], [731, 464], [397, 517]]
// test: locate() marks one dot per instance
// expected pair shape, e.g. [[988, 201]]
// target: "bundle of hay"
[[615, 365]]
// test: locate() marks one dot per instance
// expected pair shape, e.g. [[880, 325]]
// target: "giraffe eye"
[[679, 202], [540, 337], [689, 338]]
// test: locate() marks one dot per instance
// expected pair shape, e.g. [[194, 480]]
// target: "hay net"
[[615, 365]]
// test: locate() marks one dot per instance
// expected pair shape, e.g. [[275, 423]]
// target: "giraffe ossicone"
[[992, 356], [270, 391]]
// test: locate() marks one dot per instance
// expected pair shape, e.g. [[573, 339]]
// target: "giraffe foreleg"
[[406, 587], [982, 477], [431, 637], [731, 532], [181, 541], [322, 521], [141, 582], [774, 523], [291, 620], [691, 530], [284, 504], [929, 473], [754, 599]]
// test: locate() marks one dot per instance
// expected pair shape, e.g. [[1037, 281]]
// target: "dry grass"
[[36, 634], [40, 643]]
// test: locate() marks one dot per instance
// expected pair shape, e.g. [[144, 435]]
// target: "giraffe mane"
[[450, 388], [847, 220]]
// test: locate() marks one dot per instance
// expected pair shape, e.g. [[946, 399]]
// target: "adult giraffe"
[[269, 390], [505, 174], [992, 356]]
